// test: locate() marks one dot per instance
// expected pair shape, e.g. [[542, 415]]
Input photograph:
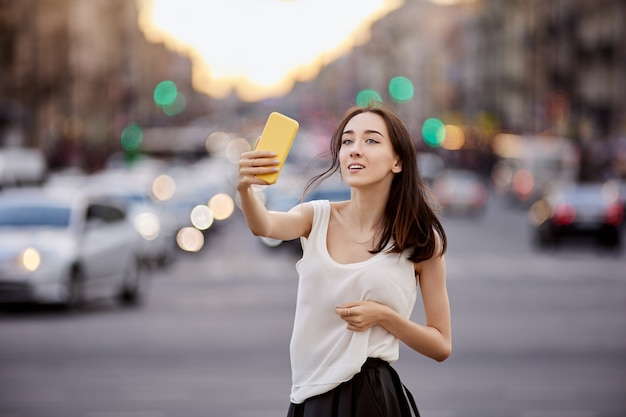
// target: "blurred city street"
[[535, 335], [130, 285]]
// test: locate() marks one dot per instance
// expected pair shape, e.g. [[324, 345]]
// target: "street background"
[[519, 93], [534, 335]]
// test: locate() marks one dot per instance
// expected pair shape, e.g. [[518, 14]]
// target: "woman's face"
[[366, 154]]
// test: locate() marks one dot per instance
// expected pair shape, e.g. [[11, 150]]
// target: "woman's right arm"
[[278, 225]]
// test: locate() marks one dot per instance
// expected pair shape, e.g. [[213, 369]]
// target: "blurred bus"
[[528, 165]]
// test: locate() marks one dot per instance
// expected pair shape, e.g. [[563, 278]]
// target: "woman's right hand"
[[255, 163]]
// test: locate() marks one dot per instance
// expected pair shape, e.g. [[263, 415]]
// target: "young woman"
[[363, 261]]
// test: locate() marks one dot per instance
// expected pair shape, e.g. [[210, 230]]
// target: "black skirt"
[[376, 391]]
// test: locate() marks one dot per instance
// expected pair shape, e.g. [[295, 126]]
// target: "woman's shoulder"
[[305, 208], [338, 205], [437, 257], [323, 205]]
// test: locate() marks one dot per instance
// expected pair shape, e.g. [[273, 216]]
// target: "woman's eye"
[[371, 141], [346, 141]]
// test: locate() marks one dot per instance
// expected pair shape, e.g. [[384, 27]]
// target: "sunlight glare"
[[259, 48]]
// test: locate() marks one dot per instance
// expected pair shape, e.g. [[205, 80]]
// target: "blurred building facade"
[[522, 66], [74, 73], [555, 67]]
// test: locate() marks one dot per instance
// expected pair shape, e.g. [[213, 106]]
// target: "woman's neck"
[[365, 210]]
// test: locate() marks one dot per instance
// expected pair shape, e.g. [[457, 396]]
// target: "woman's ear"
[[397, 167]]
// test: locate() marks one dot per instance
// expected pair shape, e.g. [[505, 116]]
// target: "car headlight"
[[147, 225], [30, 259]]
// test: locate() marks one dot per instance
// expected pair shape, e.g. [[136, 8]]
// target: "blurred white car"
[[459, 191], [156, 227], [21, 166], [66, 248]]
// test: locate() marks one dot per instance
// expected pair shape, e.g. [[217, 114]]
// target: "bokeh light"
[[163, 187], [539, 212], [610, 191], [502, 176], [401, 89], [235, 148], [132, 136], [190, 239], [217, 142], [177, 106], [201, 217], [147, 225], [222, 206], [433, 132], [368, 97], [165, 93], [523, 184], [507, 145], [454, 139]]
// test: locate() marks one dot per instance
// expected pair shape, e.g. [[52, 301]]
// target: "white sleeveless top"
[[323, 352]]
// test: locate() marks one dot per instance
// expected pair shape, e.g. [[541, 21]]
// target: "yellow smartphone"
[[278, 136]]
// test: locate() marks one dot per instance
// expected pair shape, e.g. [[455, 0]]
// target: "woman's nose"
[[355, 150]]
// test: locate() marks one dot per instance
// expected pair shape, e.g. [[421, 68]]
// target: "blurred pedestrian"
[[363, 261]]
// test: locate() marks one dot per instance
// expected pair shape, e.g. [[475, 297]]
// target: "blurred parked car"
[[460, 191], [22, 166], [150, 220], [66, 248], [579, 210], [131, 190]]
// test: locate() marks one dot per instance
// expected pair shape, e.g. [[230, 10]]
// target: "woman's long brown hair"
[[409, 220]]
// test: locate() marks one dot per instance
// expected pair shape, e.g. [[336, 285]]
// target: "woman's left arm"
[[434, 339]]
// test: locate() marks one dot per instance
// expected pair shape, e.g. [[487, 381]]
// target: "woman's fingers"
[[262, 162], [352, 316], [345, 312], [250, 155], [360, 315], [256, 163]]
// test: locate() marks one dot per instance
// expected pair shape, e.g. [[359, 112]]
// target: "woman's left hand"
[[361, 315]]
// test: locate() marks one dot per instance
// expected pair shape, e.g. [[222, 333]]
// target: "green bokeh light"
[[367, 97], [401, 89], [177, 106], [132, 136], [165, 93], [434, 132]]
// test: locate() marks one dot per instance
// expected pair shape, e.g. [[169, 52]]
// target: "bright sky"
[[259, 47]]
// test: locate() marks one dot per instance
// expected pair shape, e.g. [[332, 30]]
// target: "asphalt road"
[[534, 335]]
